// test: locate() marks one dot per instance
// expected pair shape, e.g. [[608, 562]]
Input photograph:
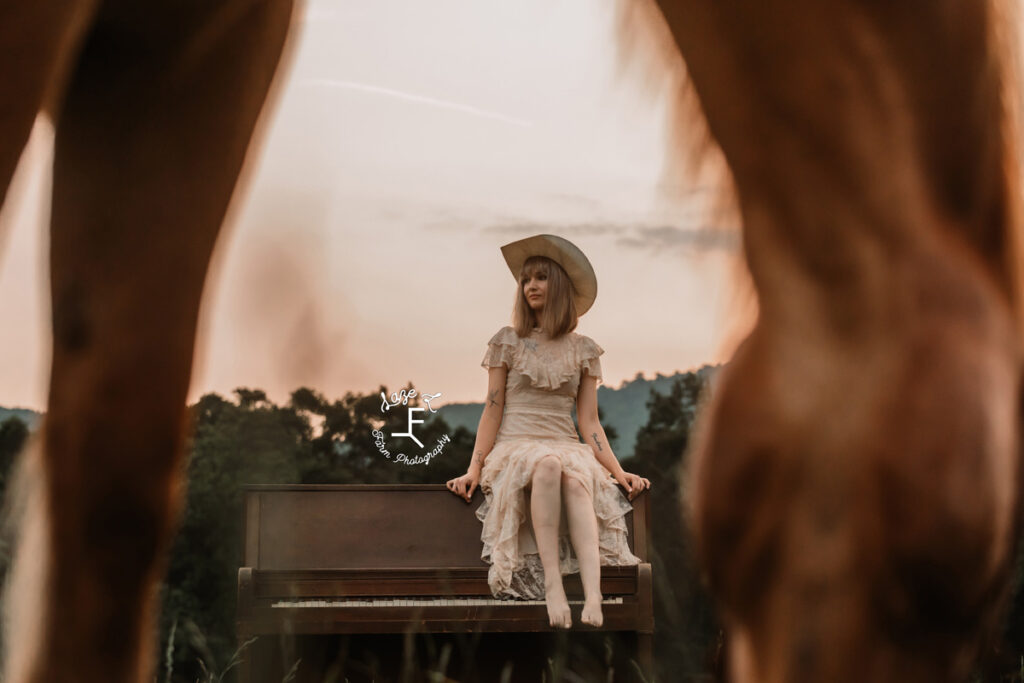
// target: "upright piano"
[[400, 559]]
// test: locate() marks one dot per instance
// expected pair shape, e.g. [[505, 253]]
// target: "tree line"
[[248, 439]]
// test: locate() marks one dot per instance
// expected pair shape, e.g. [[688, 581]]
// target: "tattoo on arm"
[[492, 396], [479, 458], [594, 437]]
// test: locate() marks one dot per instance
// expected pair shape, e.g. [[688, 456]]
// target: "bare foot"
[[559, 615], [592, 615]]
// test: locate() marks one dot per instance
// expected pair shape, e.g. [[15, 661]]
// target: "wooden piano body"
[[399, 559]]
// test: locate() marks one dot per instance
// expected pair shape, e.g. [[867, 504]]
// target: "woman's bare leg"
[[579, 507], [545, 508]]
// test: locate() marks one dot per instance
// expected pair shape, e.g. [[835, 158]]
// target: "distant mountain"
[[624, 408], [29, 417]]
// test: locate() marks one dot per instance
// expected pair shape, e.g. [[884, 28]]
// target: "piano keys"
[[423, 602], [367, 559]]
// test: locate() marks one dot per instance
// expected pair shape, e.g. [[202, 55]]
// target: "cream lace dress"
[[543, 380]]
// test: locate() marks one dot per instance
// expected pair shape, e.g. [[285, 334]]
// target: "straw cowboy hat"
[[564, 253]]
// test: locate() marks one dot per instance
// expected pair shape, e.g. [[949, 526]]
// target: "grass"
[[435, 669]]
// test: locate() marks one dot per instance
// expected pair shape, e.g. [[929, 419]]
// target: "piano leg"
[[261, 661], [245, 664], [645, 654]]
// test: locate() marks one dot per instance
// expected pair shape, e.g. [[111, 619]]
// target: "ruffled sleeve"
[[501, 349], [589, 360]]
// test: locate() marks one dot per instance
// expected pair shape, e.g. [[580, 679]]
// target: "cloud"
[[577, 229], [416, 99], [630, 235], [657, 238]]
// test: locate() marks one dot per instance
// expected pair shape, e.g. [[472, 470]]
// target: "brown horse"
[[854, 489], [153, 104], [855, 485]]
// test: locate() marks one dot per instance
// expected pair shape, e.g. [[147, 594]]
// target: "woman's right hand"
[[465, 485]]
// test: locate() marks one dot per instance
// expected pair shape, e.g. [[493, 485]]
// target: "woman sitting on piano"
[[528, 459]]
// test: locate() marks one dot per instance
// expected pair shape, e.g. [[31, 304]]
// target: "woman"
[[528, 459]]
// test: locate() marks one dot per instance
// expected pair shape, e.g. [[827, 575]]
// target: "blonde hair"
[[558, 316]]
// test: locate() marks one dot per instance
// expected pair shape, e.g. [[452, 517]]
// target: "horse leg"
[[853, 485], [150, 141], [37, 42]]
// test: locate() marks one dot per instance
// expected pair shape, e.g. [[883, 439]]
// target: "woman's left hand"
[[633, 483]]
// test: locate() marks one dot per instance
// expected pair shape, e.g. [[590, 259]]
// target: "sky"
[[409, 142]]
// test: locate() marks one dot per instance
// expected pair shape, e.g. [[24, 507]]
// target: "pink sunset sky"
[[409, 142]]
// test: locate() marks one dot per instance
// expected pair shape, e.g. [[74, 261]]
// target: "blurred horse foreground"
[[854, 484], [855, 481], [153, 105]]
